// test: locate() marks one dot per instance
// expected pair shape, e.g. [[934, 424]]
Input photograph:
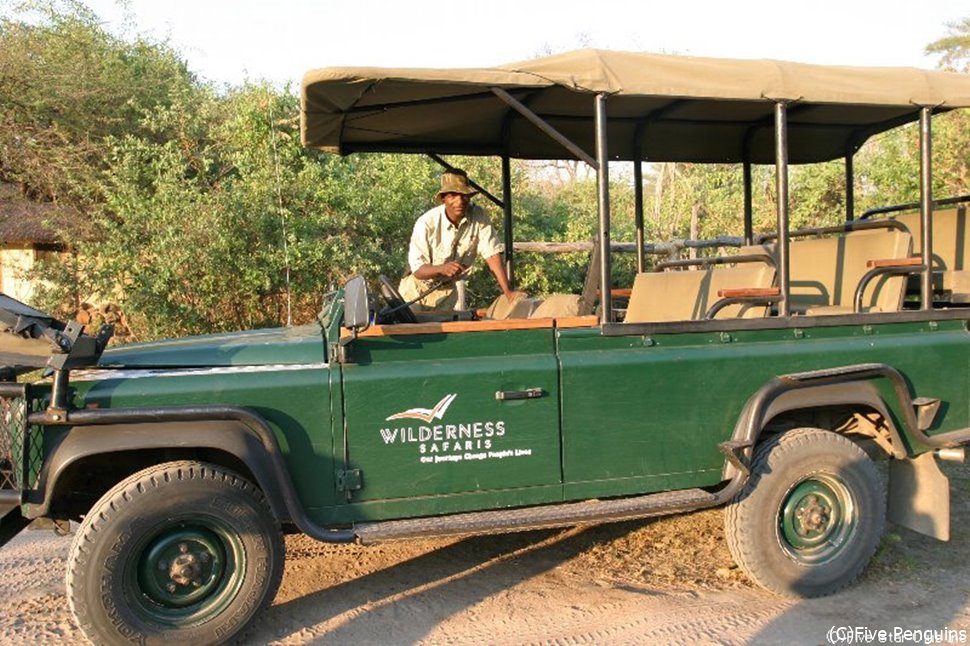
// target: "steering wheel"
[[396, 310]]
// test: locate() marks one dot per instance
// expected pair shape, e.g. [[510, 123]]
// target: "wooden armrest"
[[895, 262], [749, 291], [622, 292]]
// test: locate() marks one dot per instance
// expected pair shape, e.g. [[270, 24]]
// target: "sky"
[[230, 41]]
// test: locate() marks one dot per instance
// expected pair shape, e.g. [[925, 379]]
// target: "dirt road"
[[663, 581]]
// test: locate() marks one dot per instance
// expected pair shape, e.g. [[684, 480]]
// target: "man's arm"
[[491, 250], [448, 270], [495, 263]]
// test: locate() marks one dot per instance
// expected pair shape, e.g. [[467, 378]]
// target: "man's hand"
[[451, 269], [514, 296]]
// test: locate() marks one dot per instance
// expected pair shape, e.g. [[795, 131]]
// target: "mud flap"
[[919, 496]]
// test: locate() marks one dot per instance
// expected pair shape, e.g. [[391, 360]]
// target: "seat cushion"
[[557, 305]]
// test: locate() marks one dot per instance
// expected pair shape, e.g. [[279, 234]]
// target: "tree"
[[953, 157], [954, 48], [65, 86]]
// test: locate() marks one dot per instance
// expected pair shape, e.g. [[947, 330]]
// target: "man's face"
[[456, 204]]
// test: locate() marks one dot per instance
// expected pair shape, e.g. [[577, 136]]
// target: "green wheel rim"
[[816, 519], [186, 572]]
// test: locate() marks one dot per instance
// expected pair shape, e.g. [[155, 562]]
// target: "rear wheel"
[[810, 517], [184, 552]]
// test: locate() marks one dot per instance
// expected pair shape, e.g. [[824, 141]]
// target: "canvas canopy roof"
[[675, 108]]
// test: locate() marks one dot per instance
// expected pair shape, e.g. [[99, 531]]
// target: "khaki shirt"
[[435, 240]]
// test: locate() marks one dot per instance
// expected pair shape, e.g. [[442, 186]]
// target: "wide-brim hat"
[[455, 181]]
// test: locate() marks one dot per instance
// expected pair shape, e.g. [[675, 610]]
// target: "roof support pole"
[[781, 185], [748, 205], [603, 192], [926, 204], [638, 200], [849, 187], [507, 216], [541, 124]]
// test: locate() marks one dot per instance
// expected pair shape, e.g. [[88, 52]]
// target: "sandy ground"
[[663, 581]]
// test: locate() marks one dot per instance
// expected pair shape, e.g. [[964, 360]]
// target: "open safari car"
[[767, 377]]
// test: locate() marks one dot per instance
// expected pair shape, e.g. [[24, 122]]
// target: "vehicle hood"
[[274, 346]]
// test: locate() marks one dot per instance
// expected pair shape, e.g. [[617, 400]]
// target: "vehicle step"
[[588, 512]]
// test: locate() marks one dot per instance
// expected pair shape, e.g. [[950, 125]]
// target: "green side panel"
[[647, 413], [295, 403], [423, 418], [274, 346]]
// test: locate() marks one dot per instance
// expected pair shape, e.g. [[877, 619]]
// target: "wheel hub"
[[182, 566], [812, 517], [815, 519], [186, 568]]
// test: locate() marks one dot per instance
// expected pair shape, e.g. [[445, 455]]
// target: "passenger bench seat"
[[688, 295], [951, 249], [825, 272]]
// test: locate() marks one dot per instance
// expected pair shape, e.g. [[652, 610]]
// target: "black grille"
[[13, 430]]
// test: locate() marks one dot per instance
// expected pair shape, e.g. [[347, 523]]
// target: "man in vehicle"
[[444, 244]]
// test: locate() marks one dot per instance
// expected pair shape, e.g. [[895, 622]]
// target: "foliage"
[[243, 227]]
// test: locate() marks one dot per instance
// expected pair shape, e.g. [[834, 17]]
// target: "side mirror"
[[356, 308]]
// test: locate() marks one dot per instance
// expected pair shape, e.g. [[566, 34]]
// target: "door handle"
[[529, 393]]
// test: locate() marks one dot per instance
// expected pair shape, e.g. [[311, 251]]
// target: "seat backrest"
[[556, 305], [826, 271], [951, 239], [501, 309], [688, 295]]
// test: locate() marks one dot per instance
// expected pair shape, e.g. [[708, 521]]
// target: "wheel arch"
[[229, 443], [851, 397], [849, 387]]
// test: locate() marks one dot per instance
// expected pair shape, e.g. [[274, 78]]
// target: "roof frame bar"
[[781, 190], [760, 123], [603, 204], [748, 184], [542, 125], [641, 126], [638, 200], [926, 205], [471, 96], [478, 187], [849, 186]]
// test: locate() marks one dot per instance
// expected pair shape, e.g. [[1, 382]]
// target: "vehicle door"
[[452, 416]]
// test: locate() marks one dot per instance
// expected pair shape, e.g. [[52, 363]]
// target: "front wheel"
[[183, 552], [810, 517]]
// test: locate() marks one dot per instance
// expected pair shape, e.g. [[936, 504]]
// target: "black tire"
[[180, 553], [809, 519]]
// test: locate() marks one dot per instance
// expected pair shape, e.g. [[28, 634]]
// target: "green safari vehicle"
[[769, 379]]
